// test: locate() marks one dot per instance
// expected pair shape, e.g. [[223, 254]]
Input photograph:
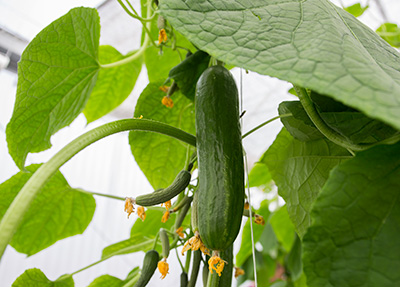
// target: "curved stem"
[[265, 123], [142, 49], [14, 215], [101, 194], [321, 125]]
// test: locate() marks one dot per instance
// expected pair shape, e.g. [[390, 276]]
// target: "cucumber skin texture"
[[226, 277], [159, 196], [220, 158], [150, 262]]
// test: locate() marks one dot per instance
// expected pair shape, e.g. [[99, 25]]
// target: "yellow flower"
[[238, 272], [164, 88], [216, 263], [179, 231], [129, 205], [259, 219], [195, 243], [162, 36], [163, 267], [204, 249], [165, 217], [141, 213], [167, 204], [167, 101]]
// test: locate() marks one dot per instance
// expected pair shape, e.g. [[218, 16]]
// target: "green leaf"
[[159, 157], [390, 32], [160, 62], [356, 9], [246, 248], [134, 244], [56, 74], [299, 125], [268, 240], [189, 71], [142, 234], [283, 227], [111, 281], [260, 176], [106, 281], [300, 169], [35, 278], [293, 260], [313, 44], [113, 85], [351, 124], [57, 212], [354, 238]]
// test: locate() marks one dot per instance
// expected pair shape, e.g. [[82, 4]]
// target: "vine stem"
[[139, 52], [101, 194], [265, 123], [321, 125], [15, 213]]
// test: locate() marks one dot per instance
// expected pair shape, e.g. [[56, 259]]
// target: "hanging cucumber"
[[163, 195], [220, 159], [149, 267]]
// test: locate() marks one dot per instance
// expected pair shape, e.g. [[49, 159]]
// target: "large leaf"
[[356, 9], [354, 238], [283, 227], [352, 125], [313, 44], [300, 169], [246, 247], [299, 125], [390, 32], [260, 176], [35, 278], [56, 74], [113, 85], [160, 157], [57, 212], [111, 281]]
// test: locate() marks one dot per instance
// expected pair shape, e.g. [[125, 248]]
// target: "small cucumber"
[[150, 262], [184, 279], [226, 278], [220, 158], [195, 268], [182, 212], [164, 243], [163, 195]]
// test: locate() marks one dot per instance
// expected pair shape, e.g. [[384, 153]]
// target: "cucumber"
[[195, 268], [150, 262], [220, 158], [164, 242], [226, 278], [163, 195], [184, 279]]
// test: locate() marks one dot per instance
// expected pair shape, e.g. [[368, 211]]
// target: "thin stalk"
[[101, 194], [156, 240], [18, 208], [179, 260], [265, 123], [187, 262], [142, 49]]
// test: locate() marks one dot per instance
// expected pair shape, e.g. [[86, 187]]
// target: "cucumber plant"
[[335, 163]]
